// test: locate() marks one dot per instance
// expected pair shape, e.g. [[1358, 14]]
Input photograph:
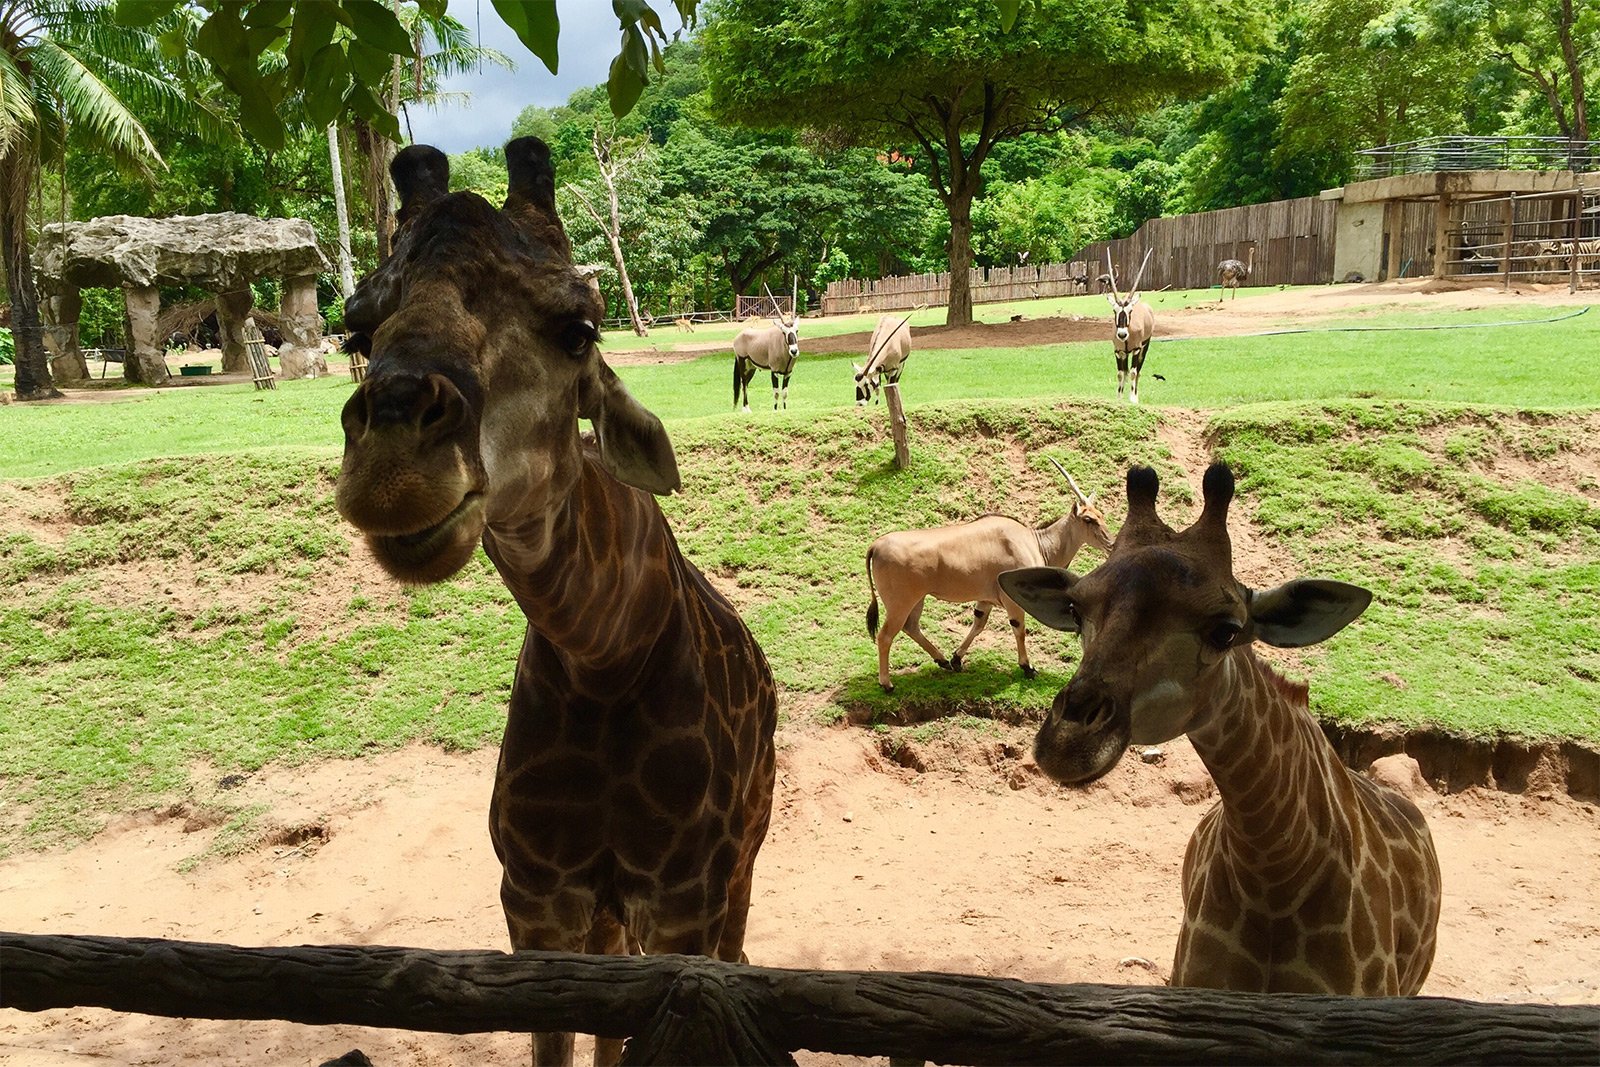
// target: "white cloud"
[[589, 40]]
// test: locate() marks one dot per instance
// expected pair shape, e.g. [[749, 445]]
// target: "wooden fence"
[[906, 291], [679, 1009], [1293, 240]]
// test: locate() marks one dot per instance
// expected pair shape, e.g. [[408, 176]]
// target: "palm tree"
[[68, 72]]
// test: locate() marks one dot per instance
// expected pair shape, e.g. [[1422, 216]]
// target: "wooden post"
[[897, 424], [1508, 216], [682, 1009], [1574, 231], [1441, 236], [1397, 217]]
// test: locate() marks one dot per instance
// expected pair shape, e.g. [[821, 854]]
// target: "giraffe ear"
[[1042, 593], [634, 446], [1305, 611]]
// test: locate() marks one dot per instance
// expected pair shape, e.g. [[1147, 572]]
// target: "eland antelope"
[[886, 357], [773, 348], [961, 564], [1132, 325]]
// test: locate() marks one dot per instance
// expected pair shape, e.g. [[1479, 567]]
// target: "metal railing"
[[1477, 153]]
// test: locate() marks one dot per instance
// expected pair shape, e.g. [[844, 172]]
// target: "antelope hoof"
[[955, 663], [887, 687], [1028, 672], [945, 664]]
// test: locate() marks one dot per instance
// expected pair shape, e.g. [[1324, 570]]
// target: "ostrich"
[[1235, 274]]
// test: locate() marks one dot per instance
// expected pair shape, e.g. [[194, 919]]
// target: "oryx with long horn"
[[1132, 326], [773, 348], [886, 356], [961, 564]]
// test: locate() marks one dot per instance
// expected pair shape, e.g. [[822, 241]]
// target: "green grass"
[[1469, 366], [157, 614]]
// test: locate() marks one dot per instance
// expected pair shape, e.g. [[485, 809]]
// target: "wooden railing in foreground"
[[682, 1009]]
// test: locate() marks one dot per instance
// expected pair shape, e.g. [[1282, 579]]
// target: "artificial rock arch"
[[223, 253]]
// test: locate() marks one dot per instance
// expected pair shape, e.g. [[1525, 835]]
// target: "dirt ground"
[[972, 864]]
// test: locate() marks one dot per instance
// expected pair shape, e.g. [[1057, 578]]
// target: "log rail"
[[689, 1009]]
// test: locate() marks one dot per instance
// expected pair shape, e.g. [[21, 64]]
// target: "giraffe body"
[[635, 778], [1305, 877]]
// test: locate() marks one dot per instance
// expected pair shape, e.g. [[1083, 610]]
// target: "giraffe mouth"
[[414, 551]]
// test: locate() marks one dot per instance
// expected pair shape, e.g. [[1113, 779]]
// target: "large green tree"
[[945, 80], [1550, 45], [1371, 73]]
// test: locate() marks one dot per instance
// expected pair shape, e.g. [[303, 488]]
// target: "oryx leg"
[[737, 380], [1122, 372], [1138, 365], [914, 628], [786, 388], [744, 382], [1017, 618], [775, 393], [980, 619]]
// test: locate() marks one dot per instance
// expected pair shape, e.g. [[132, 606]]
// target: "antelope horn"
[[794, 300], [1070, 481], [1140, 275], [776, 310], [1111, 270]]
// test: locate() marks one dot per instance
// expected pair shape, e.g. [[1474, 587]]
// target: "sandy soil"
[[971, 864]]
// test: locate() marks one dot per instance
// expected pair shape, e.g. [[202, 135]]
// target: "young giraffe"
[[635, 779], [1305, 877]]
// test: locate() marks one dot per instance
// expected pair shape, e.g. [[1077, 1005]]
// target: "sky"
[[589, 40]]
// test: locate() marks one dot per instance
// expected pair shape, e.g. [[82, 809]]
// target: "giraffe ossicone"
[[635, 778], [1305, 877]]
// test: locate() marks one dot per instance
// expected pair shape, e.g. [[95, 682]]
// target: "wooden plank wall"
[[1293, 241]]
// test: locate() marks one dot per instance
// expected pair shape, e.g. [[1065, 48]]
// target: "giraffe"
[[635, 779], [1304, 877]]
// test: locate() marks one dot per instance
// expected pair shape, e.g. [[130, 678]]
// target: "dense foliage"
[[835, 188]]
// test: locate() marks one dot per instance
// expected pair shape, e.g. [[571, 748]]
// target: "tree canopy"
[[944, 79]]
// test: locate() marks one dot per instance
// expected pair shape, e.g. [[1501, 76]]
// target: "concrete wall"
[[1358, 240]]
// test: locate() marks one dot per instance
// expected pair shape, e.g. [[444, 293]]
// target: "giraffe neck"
[[595, 575], [1285, 795]]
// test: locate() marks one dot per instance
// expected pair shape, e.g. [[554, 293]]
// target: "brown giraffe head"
[[483, 358], [1157, 620]]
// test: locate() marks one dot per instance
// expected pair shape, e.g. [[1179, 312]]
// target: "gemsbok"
[[886, 357], [961, 564], [1132, 326], [772, 348]]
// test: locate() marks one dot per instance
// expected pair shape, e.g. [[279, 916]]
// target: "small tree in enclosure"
[[946, 81]]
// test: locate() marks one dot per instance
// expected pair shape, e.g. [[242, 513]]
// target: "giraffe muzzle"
[[1084, 735]]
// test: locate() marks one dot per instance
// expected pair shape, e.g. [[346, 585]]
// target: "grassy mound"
[[163, 615]]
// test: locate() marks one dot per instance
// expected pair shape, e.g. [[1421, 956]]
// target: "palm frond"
[[17, 119], [91, 107]]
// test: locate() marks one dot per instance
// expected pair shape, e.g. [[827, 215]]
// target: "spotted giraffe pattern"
[[635, 778], [1305, 877]]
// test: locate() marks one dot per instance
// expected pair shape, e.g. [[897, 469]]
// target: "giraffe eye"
[[577, 336], [1222, 634]]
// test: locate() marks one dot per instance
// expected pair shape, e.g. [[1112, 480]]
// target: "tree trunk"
[[1569, 56], [614, 235], [960, 250], [33, 362], [347, 273]]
